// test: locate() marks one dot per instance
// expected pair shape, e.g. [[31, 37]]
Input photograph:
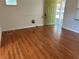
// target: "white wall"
[[20, 16], [70, 15]]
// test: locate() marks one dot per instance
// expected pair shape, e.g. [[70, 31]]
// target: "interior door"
[[50, 12]]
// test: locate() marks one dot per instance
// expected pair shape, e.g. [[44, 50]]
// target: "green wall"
[[50, 11]]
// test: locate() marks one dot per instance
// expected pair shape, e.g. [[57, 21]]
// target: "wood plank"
[[39, 43]]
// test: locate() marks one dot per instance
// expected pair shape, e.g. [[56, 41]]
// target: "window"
[[11, 2]]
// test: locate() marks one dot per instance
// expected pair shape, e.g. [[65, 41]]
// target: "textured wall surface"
[[21, 15], [70, 15]]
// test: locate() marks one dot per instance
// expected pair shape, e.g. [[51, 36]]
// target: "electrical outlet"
[[33, 21]]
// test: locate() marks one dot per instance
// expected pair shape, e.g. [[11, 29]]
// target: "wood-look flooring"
[[40, 43]]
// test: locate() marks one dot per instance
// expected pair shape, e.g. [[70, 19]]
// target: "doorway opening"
[[53, 12]]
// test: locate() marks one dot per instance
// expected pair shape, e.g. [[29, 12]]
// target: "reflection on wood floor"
[[39, 43]]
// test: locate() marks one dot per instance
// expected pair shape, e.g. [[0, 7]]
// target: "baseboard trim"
[[71, 30], [18, 28]]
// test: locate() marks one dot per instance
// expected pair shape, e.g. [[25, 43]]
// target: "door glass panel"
[[60, 12]]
